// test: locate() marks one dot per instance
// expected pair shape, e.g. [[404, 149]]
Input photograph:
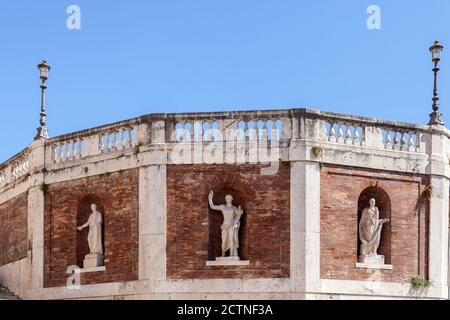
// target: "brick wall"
[[404, 239], [13, 229], [67, 205], [193, 230]]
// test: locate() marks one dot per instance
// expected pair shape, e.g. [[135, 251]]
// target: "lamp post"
[[436, 116], [42, 131]]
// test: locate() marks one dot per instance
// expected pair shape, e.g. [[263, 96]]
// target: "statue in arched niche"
[[231, 225], [95, 224], [370, 227]]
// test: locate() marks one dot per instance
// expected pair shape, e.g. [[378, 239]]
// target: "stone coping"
[[372, 266]]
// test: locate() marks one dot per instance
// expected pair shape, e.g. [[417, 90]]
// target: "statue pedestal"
[[227, 261], [93, 260], [373, 262]]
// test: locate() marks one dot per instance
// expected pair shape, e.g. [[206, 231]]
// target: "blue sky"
[[143, 56]]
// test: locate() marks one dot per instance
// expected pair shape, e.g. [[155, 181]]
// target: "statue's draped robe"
[[370, 231], [228, 236], [95, 233], [236, 227]]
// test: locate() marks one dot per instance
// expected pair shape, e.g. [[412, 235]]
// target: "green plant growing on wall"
[[44, 188], [417, 282]]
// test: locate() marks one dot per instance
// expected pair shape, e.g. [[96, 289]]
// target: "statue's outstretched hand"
[[79, 228], [211, 195]]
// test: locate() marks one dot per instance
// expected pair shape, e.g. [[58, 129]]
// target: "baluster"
[[192, 132], [72, 150], [348, 133], [411, 146], [121, 143], [64, 154], [396, 145], [246, 130], [55, 152], [182, 132], [356, 139], [417, 141], [129, 141], [210, 131], [114, 140], [402, 140], [332, 133], [200, 132], [79, 155], [221, 135], [61, 152], [388, 144], [264, 130], [340, 137], [100, 143]]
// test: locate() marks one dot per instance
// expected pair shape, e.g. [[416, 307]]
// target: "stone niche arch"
[[383, 203], [228, 184], [83, 212]]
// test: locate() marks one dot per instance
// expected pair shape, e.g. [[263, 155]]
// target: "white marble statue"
[[370, 228], [231, 224], [95, 224]]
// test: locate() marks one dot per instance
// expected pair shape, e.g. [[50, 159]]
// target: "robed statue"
[[370, 227], [95, 224]]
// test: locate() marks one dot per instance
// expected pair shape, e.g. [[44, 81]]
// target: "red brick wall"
[[407, 247], [67, 204], [265, 229], [13, 229]]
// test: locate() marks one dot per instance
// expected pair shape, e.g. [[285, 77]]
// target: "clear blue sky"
[[143, 56]]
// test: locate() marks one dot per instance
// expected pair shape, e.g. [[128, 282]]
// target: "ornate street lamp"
[[436, 116], [42, 131]]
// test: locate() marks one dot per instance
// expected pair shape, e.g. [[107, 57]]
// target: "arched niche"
[[83, 212], [384, 206], [215, 220]]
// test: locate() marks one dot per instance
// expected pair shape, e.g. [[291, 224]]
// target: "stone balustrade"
[[381, 134], [345, 132], [67, 150], [402, 139], [21, 168], [187, 130], [249, 127], [120, 138]]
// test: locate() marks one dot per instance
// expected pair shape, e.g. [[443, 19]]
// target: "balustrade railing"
[[401, 139], [345, 132], [388, 135], [240, 127], [255, 127], [116, 139], [68, 150], [20, 168]]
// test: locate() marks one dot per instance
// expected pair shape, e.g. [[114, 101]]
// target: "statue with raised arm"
[[370, 228], [94, 223], [231, 224]]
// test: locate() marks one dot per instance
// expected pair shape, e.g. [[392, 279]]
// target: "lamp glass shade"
[[436, 51], [44, 69]]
